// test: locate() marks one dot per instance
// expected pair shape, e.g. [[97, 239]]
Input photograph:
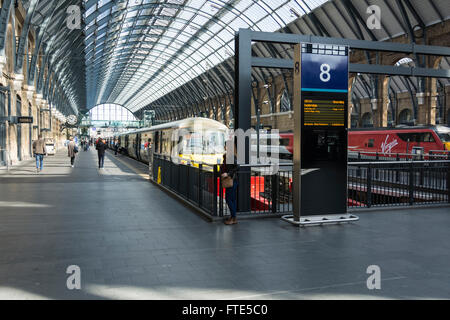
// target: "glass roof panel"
[[153, 47]]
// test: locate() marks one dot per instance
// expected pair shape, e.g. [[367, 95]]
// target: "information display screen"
[[324, 112], [323, 136]]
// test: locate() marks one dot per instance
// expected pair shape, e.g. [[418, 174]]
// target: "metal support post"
[[242, 112]]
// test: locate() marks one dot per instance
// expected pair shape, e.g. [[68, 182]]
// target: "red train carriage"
[[388, 142]]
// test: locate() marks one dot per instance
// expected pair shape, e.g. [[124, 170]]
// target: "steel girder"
[[4, 19], [38, 45], [23, 39], [48, 34]]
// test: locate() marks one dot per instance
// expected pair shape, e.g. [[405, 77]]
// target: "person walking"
[[72, 150], [116, 147], [230, 183], [39, 151], [150, 157], [101, 147]]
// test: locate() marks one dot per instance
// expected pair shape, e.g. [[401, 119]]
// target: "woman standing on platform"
[[72, 151], [230, 183]]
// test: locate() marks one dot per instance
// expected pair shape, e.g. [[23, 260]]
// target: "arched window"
[[354, 120], [367, 120], [404, 117], [390, 120], [285, 103], [111, 112]]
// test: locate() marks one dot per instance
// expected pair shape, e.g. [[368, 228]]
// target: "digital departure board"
[[322, 102], [324, 112]]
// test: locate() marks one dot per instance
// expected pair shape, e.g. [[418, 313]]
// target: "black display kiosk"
[[320, 135]]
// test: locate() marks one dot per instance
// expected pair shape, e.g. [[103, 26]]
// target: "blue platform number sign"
[[324, 68]]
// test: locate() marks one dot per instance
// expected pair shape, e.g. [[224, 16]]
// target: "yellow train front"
[[188, 141]]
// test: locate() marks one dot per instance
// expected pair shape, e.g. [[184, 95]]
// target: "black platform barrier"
[[369, 184]]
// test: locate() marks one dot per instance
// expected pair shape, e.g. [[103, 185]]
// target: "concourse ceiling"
[[146, 54], [137, 51]]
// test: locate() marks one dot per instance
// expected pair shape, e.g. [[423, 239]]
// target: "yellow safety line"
[[139, 173]]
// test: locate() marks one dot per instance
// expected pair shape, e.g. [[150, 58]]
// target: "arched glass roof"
[[167, 55], [137, 51]]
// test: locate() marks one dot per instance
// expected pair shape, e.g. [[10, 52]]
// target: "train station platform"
[[133, 241]]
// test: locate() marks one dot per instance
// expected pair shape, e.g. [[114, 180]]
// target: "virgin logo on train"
[[386, 147]]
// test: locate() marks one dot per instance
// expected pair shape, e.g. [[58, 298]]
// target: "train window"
[[214, 142], [371, 143], [445, 137], [284, 142], [165, 143], [416, 137], [407, 137], [157, 142], [196, 143], [427, 137]]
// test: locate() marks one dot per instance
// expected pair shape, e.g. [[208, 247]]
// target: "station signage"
[[324, 112], [17, 120], [324, 79], [24, 120], [320, 137], [324, 70]]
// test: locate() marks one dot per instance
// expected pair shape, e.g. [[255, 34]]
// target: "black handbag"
[[75, 149]]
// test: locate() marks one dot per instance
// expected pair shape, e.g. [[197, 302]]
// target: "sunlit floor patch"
[[13, 204], [161, 293], [7, 293], [182, 293]]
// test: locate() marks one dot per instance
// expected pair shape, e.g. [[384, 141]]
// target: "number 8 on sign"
[[325, 75]]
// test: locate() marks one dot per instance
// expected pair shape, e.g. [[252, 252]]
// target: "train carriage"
[[399, 141], [192, 140]]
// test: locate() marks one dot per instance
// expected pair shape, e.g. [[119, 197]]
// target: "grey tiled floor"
[[132, 241]]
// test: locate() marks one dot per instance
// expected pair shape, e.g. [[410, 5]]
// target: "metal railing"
[[432, 155], [398, 183], [193, 183], [200, 184], [271, 190], [370, 184]]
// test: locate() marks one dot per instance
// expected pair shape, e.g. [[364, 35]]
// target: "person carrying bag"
[[72, 150], [39, 151], [230, 184]]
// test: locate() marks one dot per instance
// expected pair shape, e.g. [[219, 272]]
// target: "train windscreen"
[[445, 137]]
